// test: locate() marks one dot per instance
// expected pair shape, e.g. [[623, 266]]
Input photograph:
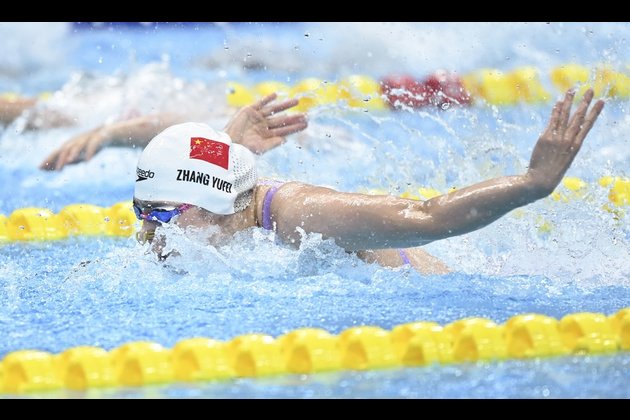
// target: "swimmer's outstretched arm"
[[359, 222], [259, 127]]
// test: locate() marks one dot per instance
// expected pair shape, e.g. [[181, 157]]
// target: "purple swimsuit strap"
[[266, 210], [404, 256]]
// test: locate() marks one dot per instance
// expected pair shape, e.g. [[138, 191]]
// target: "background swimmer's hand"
[[560, 142], [260, 128], [77, 149]]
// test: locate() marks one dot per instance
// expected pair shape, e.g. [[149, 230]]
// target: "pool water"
[[109, 291]]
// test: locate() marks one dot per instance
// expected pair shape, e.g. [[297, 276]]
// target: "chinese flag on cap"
[[211, 151]]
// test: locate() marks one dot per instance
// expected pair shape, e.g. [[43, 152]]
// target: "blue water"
[[108, 291]]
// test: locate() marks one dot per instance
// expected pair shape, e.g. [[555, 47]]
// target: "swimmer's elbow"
[[428, 226]]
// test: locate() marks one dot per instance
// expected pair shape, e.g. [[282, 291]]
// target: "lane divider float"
[[41, 224], [441, 88], [313, 350]]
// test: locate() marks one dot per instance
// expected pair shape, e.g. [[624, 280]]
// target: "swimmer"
[[194, 176], [259, 127]]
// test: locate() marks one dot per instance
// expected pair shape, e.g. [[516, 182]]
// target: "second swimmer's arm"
[[134, 132], [259, 127]]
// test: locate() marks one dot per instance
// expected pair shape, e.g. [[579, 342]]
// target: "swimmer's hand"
[[260, 128], [560, 142], [79, 148]]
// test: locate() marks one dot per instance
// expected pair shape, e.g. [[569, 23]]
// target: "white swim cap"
[[192, 163]]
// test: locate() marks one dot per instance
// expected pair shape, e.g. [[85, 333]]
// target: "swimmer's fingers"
[[69, 152], [553, 121], [279, 107], [589, 121], [49, 162], [578, 117], [94, 145], [75, 149], [289, 129], [90, 150], [63, 156], [285, 120], [74, 153], [258, 105], [565, 111], [272, 142]]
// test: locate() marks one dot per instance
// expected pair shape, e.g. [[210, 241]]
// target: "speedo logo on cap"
[[143, 174]]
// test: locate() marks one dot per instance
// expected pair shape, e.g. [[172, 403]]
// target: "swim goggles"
[[160, 215]]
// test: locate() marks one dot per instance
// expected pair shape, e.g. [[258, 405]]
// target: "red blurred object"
[[443, 88], [438, 89], [402, 90]]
